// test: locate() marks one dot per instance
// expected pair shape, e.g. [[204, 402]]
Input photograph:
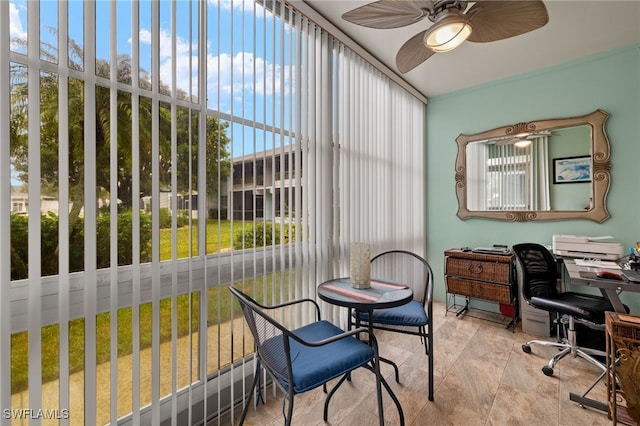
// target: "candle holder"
[[360, 265]]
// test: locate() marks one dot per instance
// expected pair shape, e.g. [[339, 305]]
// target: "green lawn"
[[218, 238], [219, 307]]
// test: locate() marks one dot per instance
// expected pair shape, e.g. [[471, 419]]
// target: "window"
[[509, 177], [507, 181], [210, 144]]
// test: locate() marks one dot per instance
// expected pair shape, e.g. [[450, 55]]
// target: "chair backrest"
[[407, 268], [271, 337], [539, 270]]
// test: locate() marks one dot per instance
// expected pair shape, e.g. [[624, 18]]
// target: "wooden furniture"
[[623, 359], [590, 127], [489, 277]]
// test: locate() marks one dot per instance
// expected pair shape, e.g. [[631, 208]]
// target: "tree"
[[217, 161], [217, 139]]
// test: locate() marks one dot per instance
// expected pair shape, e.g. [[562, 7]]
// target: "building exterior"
[[20, 202], [262, 184]]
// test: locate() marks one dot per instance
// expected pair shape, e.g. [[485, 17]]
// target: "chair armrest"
[[347, 334], [290, 303]]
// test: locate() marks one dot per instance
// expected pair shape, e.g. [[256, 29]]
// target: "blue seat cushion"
[[411, 314], [314, 366]]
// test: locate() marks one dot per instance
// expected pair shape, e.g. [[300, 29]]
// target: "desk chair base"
[[568, 346]]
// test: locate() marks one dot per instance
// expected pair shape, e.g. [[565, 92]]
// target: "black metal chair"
[[308, 357], [539, 281], [414, 318]]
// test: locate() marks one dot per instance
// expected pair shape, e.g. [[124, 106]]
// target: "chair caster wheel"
[[548, 371], [526, 349]]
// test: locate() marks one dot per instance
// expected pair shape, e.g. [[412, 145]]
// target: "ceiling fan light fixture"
[[448, 33], [522, 143]]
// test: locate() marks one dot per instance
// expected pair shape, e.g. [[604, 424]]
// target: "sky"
[[242, 66]]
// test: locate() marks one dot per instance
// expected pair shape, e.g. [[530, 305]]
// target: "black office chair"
[[416, 317], [539, 281], [308, 357]]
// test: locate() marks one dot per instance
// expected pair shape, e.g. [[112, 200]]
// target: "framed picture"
[[572, 169]]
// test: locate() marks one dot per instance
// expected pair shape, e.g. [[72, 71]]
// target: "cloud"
[[183, 56], [236, 4], [15, 25], [242, 72], [144, 36]]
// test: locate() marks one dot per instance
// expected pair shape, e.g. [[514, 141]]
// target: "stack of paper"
[[597, 263]]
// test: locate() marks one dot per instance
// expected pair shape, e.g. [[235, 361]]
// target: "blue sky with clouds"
[[243, 67]]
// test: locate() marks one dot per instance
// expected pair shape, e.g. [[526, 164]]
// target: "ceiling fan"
[[521, 140], [453, 23]]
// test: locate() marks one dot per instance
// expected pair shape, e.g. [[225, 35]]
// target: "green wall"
[[569, 142], [609, 81]]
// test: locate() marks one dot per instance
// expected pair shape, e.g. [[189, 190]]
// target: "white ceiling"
[[576, 28]]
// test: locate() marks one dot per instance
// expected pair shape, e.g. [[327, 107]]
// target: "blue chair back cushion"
[[411, 314], [314, 366]]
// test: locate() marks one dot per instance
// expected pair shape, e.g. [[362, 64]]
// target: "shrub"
[[49, 243], [218, 213], [19, 247], [125, 238], [165, 218], [182, 218], [263, 234], [49, 251]]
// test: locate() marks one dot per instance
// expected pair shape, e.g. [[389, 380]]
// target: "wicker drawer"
[[496, 272], [481, 290]]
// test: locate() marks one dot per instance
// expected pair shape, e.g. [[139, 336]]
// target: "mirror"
[[551, 169]]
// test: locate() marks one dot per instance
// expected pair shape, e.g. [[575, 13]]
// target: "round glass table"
[[381, 294]]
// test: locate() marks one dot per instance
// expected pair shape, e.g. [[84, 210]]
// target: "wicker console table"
[[488, 277], [623, 363]]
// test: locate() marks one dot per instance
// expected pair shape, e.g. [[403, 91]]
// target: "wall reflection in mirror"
[[539, 170], [517, 173]]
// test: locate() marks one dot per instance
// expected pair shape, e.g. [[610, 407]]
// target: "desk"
[[586, 275], [381, 295]]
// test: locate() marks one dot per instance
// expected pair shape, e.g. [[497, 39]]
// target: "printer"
[[586, 247]]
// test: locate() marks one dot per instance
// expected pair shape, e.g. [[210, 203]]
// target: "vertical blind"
[[505, 176], [168, 150]]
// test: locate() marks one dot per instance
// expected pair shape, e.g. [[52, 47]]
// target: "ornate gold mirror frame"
[[601, 166]]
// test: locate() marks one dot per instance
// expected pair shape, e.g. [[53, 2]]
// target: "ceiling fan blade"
[[412, 53], [384, 14], [498, 20]]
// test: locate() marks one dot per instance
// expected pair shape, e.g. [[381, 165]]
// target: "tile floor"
[[481, 377]]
